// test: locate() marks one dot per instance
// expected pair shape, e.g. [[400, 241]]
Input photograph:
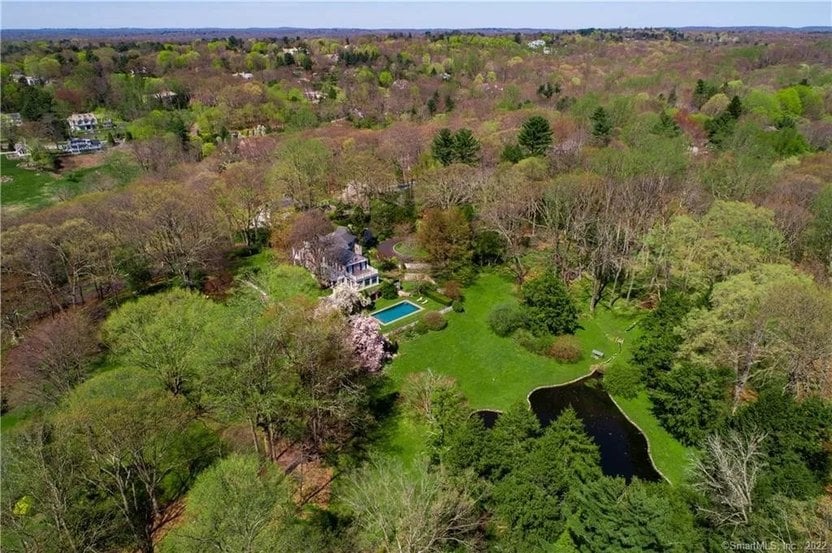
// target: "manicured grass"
[[495, 372], [409, 248], [30, 189], [26, 188]]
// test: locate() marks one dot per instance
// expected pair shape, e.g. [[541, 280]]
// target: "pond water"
[[488, 417], [623, 447]]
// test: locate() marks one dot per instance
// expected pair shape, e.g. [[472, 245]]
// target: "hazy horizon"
[[231, 14]]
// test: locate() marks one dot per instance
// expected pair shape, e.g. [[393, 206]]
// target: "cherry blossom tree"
[[346, 298], [371, 347]]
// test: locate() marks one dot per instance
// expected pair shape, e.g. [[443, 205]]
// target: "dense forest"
[[181, 373]]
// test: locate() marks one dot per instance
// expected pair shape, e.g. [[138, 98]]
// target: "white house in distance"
[[82, 122], [341, 260]]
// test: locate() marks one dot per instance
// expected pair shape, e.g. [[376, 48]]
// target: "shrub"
[[434, 320], [458, 307], [536, 344], [422, 287], [419, 328], [387, 265], [388, 290], [453, 290], [565, 349], [506, 318], [624, 379], [437, 297]]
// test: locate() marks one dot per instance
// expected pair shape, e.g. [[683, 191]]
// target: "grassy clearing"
[[279, 279], [495, 372], [28, 189]]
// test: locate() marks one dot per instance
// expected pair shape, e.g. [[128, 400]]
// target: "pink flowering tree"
[[346, 298], [370, 346]]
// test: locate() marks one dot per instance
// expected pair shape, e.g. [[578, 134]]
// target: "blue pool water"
[[396, 312]]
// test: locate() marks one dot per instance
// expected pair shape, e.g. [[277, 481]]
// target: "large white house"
[[337, 257], [82, 122]]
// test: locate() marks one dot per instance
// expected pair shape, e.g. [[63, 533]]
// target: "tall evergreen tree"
[[735, 107], [466, 147], [443, 147], [550, 309], [601, 125], [535, 135]]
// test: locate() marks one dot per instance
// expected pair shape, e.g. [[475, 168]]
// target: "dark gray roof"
[[342, 244]]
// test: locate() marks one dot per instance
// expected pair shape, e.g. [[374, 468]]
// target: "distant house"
[[164, 95], [12, 119], [82, 122], [77, 146], [337, 258], [245, 76], [535, 44], [28, 79]]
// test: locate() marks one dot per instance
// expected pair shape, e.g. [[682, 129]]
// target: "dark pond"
[[623, 447], [488, 417]]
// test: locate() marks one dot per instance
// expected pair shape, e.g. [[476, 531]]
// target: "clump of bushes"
[[388, 290], [387, 265], [624, 379], [453, 290], [565, 349], [505, 318], [457, 306], [534, 343], [434, 320]]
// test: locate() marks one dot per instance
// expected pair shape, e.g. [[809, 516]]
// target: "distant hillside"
[[213, 32]]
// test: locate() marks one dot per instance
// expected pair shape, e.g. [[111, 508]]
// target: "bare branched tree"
[[727, 474]]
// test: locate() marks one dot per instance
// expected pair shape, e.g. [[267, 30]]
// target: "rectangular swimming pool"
[[395, 312]]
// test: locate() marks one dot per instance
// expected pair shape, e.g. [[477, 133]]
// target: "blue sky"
[[34, 14]]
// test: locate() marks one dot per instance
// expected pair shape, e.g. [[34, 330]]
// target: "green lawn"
[[28, 189], [409, 248], [495, 372]]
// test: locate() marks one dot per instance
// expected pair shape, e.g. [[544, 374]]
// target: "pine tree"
[[549, 306], [735, 107], [449, 103], [535, 135], [601, 125], [466, 147], [443, 147]]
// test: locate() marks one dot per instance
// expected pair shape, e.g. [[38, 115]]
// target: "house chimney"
[[357, 249]]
